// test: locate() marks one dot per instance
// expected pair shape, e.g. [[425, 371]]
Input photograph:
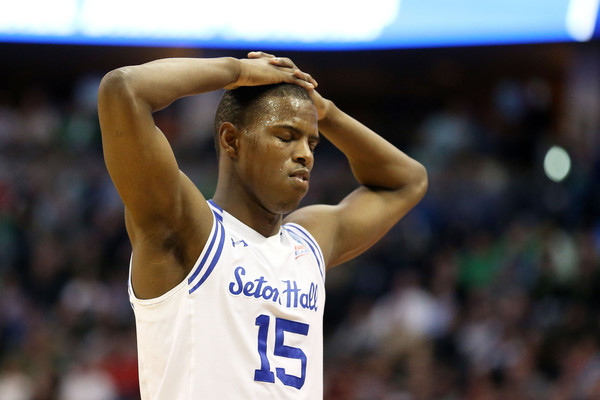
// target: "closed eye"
[[313, 143]]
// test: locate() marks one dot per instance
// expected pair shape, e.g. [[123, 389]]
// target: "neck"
[[247, 209]]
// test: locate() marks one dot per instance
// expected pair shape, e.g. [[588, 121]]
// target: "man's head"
[[265, 137], [240, 106]]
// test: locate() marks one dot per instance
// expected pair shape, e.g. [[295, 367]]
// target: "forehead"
[[277, 111]]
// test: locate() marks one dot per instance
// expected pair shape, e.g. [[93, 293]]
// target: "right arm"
[[138, 156], [167, 219]]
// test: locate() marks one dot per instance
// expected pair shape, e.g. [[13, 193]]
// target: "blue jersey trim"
[[216, 230], [218, 211], [214, 260], [208, 251], [308, 237], [314, 247]]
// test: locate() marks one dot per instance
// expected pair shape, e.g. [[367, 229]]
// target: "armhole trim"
[[211, 254], [299, 231]]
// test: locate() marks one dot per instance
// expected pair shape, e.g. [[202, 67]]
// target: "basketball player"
[[228, 293]]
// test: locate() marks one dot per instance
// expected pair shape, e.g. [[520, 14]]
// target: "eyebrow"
[[314, 138]]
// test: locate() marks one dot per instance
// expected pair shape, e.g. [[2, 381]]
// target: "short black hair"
[[240, 105]]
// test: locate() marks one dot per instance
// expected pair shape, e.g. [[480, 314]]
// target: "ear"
[[229, 139]]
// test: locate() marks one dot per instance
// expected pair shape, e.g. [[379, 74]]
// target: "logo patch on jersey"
[[300, 250], [234, 243]]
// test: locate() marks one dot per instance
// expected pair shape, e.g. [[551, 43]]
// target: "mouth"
[[301, 174]]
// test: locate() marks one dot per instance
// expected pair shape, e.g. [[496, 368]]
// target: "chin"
[[286, 206]]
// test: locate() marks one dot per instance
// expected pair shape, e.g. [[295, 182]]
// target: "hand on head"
[[303, 79], [286, 64], [263, 69]]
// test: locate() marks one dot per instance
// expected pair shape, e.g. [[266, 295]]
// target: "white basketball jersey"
[[246, 323]]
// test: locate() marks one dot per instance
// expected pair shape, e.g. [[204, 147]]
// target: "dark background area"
[[488, 289]]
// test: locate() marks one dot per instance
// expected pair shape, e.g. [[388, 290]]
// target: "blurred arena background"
[[488, 290]]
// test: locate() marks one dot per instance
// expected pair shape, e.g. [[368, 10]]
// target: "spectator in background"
[[551, 346]]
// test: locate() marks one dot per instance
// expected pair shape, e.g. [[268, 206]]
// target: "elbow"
[[421, 181], [415, 187], [115, 84]]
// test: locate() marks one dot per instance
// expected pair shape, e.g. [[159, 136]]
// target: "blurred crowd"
[[486, 291]]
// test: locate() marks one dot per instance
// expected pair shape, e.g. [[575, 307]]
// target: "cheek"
[[251, 154], [272, 160], [251, 143], [263, 159]]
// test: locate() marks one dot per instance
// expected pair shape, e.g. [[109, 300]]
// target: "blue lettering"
[[309, 300], [267, 292], [248, 288], [259, 288], [291, 292], [304, 300], [238, 271], [259, 291]]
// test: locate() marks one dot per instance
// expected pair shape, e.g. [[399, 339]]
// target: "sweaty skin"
[[263, 167]]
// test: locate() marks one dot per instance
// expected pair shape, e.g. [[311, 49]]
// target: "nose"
[[303, 154]]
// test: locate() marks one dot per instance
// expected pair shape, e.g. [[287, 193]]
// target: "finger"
[[306, 77], [310, 79], [301, 82], [260, 54], [283, 62]]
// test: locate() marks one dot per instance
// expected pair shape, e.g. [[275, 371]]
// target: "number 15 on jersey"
[[265, 374]]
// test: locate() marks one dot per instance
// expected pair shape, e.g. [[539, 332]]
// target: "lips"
[[301, 174]]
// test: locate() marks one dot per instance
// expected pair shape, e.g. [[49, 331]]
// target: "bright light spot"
[[557, 164], [241, 20], [581, 19], [36, 17]]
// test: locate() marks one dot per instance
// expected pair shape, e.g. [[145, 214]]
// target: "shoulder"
[[349, 228]]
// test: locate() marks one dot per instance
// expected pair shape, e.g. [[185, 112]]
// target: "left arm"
[[391, 184]]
